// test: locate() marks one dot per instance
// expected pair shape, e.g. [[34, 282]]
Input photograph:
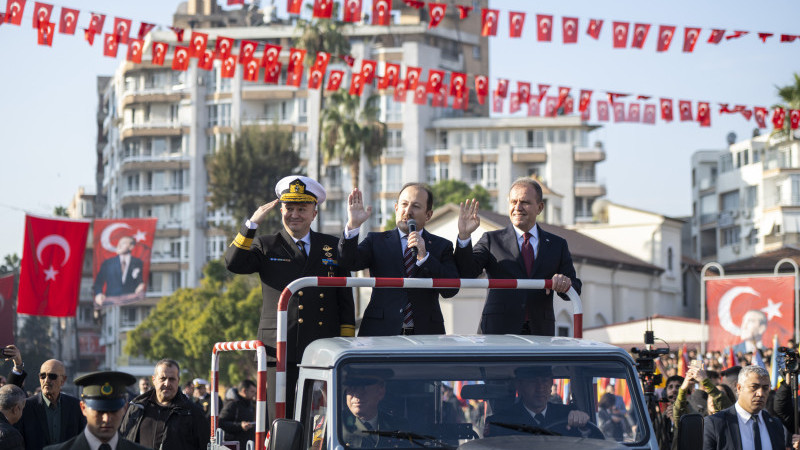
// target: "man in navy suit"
[[521, 250], [533, 410], [117, 281], [745, 425], [50, 417], [390, 253]]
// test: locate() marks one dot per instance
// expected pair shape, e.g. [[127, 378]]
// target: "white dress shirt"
[[746, 429], [350, 234], [95, 443]]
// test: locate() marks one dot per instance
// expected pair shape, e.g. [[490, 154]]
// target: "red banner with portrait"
[[747, 312], [122, 249]]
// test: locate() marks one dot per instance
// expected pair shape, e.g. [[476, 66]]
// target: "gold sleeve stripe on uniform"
[[347, 330], [242, 242]]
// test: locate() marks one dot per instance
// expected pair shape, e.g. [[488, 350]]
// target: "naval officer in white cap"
[[293, 252]]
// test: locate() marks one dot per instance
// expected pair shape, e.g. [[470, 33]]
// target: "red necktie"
[[527, 253]]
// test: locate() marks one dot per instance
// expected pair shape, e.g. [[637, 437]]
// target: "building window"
[[729, 201], [730, 236], [334, 175], [394, 140], [476, 52], [219, 115], [436, 172], [726, 162], [484, 174], [302, 110], [173, 113], [128, 316], [584, 172], [393, 111], [669, 260], [392, 182], [334, 210]]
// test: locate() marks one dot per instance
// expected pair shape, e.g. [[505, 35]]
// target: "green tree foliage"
[[348, 130], [186, 325], [10, 263], [790, 99], [452, 191], [35, 343], [455, 191], [243, 174]]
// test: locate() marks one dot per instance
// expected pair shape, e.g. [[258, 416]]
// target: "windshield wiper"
[[526, 428], [411, 437]]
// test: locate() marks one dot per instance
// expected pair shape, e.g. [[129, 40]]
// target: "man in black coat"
[[532, 410], [392, 254], [363, 394], [521, 250], [50, 417], [12, 403], [746, 421], [163, 417], [103, 403], [120, 275], [238, 416], [312, 313]]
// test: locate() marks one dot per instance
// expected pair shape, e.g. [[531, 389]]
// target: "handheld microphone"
[[412, 226]]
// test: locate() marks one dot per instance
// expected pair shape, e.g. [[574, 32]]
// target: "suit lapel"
[[775, 436], [394, 247], [543, 249], [733, 428], [292, 249]]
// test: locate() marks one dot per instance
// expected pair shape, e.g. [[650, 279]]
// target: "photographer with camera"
[[785, 396], [717, 400]]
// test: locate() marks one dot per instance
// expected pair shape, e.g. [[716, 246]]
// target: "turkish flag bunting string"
[[294, 6], [52, 262], [436, 85], [334, 80], [463, 11], [323, 9], [778, 117]]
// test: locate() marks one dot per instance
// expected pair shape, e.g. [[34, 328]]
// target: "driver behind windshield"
[[532, 409], [364, 391]]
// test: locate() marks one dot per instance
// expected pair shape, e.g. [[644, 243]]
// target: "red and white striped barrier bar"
[[261, 385], [413, 283]]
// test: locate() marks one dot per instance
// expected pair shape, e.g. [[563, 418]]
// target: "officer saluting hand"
[[103, 403]]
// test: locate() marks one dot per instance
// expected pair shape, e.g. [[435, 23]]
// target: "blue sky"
[[47, 121]]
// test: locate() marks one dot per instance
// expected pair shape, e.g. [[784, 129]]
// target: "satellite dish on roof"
[[731, 138]]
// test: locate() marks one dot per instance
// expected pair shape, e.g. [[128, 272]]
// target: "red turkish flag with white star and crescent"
[[197, 44], [144, 28], [778, 117], [294, 6], [436, 13], [621, 34], [489, 19], [516, 20], [544, 27], [585, 98], [69, 21], [649, 114], [391, 76], [665, 34], [481, 87], [180, 59], [685, 109], [666, 109], [206, 60], [159, 52], [334, 80], [322, 9], [273, 74], [228, 67], [747, 312], [602, 110], [352, 11], [569, 29], [794, 118], [716, 36], [690, 36], [121, 245], [45, 33], [223, 47], [41, 14], [368, 70], [135, 47], [640, 31], [760, 113], [435, 80], [400, 92], [595, 25], [412, 78], [382, 12], [14, 10], [52, 262], [110, 45]]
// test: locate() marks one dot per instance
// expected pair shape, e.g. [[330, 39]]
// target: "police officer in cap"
[[293, 252], [103, 403]]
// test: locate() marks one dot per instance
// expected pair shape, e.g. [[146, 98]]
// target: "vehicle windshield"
[[446, 403]]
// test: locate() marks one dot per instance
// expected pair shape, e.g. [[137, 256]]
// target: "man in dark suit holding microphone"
[[521, 250], [407, 251]]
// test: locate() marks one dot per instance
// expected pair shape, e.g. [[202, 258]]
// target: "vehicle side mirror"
[[285, 434], [690, 432]]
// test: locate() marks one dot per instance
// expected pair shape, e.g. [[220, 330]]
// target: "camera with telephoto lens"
[[791, 360]]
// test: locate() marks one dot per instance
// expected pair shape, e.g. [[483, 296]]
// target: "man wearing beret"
[[103, 403], [291, 253]]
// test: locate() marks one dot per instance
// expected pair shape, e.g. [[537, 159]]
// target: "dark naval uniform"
[[312, 313]]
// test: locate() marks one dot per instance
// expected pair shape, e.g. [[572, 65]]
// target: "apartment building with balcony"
[[746, 199]]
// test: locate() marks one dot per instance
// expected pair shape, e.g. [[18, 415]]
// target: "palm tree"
[[790, 96], [349, 130]]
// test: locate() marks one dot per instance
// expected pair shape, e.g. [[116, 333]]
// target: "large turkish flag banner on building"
[[7, 309], [52, 261], [122, 249], [749, 308]]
